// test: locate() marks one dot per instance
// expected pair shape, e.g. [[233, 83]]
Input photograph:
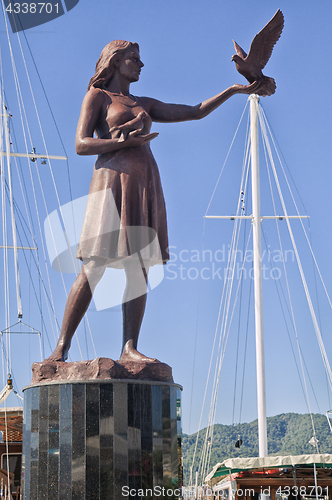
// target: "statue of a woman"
[[125, 176]]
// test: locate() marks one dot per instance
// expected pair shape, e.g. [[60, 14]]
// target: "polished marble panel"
[[146, 437], [157, 435], [53, 443], [26, 459], [43, 441], [106, 442], [120, 448], [92, 443], [167, 458], [34, 443], [174, 437], [78, 441], [179, 435], [134, 436], [65, 439]]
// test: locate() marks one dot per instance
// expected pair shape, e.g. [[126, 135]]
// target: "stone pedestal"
[[101, 440]]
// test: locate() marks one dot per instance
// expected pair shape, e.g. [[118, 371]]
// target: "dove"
[[251, 65]]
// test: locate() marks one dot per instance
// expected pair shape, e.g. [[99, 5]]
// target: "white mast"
[[33, 156], [256, 221], [17, 277]]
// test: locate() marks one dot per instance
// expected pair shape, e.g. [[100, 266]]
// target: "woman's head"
[[105, 66]]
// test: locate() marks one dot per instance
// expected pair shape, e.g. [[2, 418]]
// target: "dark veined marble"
[[102, 440]]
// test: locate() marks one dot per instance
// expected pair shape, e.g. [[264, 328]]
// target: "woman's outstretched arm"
[[166, 113]]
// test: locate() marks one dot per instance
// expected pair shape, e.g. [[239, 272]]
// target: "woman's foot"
[[129, 353], [60, 353]]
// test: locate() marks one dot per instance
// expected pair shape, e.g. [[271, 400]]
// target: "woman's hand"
[[130, 133], [135, 139], [253, 88], [121, 132]]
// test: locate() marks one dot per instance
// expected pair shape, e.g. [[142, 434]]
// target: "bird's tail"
[[269, 86]]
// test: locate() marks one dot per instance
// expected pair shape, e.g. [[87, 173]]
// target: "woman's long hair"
[[105, 68]]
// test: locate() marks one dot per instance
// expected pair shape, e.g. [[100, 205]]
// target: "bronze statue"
[[251, 65], [126, 168]]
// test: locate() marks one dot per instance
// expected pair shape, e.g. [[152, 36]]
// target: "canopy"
[[232, 465], [11, 424]]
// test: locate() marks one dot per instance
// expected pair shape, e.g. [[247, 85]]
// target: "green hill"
[[288, 434]]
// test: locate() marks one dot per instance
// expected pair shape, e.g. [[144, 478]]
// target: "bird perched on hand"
[[251, 65]]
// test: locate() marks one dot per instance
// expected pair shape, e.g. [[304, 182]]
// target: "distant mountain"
[[288, 434]]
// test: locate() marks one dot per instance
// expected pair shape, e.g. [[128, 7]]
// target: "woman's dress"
[[125, 213]]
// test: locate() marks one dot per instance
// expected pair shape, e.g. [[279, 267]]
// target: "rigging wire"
[[228, 333], [23, 114], [224, 164], [285, 213], [245, 349], [238, 334], [318, 310], [220, 307], [222, 339], [4, 216], [224, 333], [52, 175], [304, 282]]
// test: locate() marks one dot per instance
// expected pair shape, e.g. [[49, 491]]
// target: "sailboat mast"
[[6, 116], [258, 283]]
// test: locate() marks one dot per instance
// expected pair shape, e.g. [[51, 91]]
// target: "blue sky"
[[186, 47]]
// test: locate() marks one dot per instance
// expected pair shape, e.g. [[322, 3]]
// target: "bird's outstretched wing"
[[240, 52], [263, 43]]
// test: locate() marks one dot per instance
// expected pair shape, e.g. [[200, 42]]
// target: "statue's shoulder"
[[146, 102], [95, 93], [94, 97]]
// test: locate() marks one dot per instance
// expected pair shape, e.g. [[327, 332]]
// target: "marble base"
[[101, 440], [100, 368]]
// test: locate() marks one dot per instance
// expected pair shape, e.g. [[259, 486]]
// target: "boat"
[[275, 477], [301, 476]]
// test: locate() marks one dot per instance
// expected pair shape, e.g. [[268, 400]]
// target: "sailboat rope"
[[266, 151], [224, 164], [225, 315], [225, 323], [304, 282], [221, 301], [281, 295], [230, 322], [233, 255], [26, 133], [4, 228], [57, 196], [86, 319], [25, 123], [301, 222]]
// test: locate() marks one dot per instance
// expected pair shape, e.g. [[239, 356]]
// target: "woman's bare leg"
[[78, 301], [133, 308]]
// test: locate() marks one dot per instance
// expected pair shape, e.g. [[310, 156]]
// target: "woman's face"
[[130, 65]]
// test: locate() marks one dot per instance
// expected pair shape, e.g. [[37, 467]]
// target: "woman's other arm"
[[86, 144], [166, 113]]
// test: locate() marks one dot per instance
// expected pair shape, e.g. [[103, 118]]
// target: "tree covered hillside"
[[288, 434]]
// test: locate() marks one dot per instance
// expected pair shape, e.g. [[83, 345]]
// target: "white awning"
[[232, 465]]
